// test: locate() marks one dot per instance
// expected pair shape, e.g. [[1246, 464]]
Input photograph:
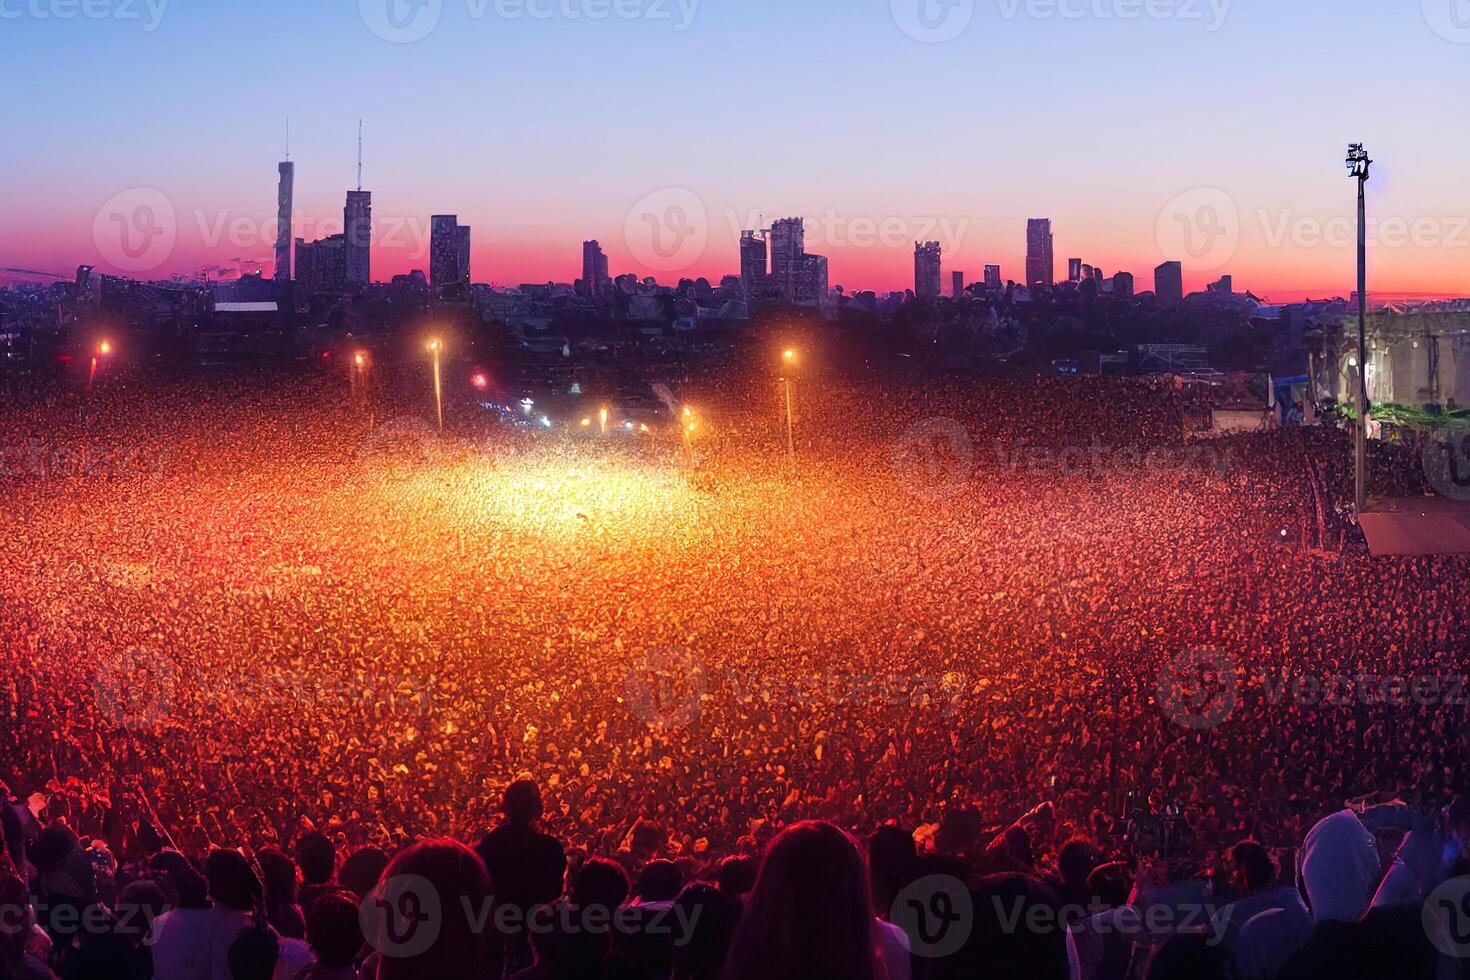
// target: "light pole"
[[103, 350], [1358, 164], [788, 357], [434, 347], [359, 384], [688, 425]]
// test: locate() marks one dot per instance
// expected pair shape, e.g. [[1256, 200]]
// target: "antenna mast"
[[288, 137], [359, 154]]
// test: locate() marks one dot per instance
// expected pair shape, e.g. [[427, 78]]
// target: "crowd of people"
[[238, 617]]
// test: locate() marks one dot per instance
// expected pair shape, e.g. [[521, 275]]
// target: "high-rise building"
[[1074, 270], [1226, 285], [992, 277], [957, 279], [357, 225], [1040, 264], [928, 274], [752, 259], [1169, 284], [594, 268], [449, 251], [462, 253], [1086, 272], [321, 266], [811, 281], [1122, 285], [285, 192], [788, 245]]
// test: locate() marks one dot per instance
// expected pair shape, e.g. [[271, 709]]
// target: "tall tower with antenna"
[[285, 196], [357, 223]]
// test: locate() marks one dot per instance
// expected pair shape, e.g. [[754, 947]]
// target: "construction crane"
[[33, 272]]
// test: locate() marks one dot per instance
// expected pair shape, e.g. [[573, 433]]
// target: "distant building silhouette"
[[595, 277], [1123, 285], [928, 274], [1169, 283], [992, 277], [449, 251], [787, 245], [812, 284], [1040, 263], [1074, 270], [1226, 285], [357, 224], [462, 253], [799, 277], [285, 193], [752, 260], [321, 266], [958, 283]]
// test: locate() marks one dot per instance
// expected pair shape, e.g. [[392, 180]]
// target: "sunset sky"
[[1207, 131]]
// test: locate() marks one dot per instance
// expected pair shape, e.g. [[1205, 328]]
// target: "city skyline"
[[1184, 149]]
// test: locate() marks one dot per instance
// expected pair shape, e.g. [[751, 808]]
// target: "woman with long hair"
[[810, 916], [430, 916]]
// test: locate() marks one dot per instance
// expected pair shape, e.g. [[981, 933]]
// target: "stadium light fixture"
[[1358, 165]]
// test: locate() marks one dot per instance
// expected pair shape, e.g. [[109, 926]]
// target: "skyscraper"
[[449, 251], [357, 224], [594, 268], [752, 260], [992, 277], [1169, 284], [284, 196], [958, 279], [788, 245], [1074, 270], [1122, 285], [927, 271], [462, 253], [1040, 265]]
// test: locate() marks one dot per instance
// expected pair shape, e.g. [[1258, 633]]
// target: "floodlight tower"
[[1358, 164]]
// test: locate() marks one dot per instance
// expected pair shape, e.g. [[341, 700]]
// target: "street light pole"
[[790, 426], [789, 358], [103, 349], [434, 346], [1358, 165]]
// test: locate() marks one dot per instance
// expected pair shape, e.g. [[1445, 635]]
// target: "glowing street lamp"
[[788, 357], [434, 347], [104, 349], [687, 426]]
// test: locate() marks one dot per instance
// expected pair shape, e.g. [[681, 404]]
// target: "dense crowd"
[[246, 617]]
